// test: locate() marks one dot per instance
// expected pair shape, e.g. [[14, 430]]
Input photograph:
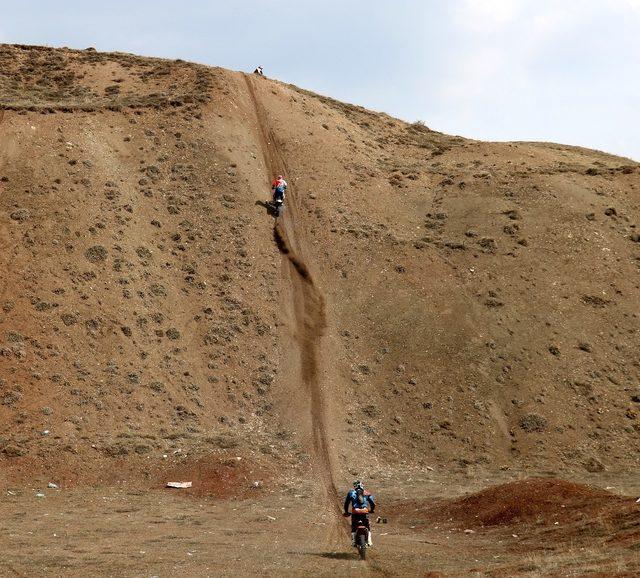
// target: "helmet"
[[279, 177], [358, 485]]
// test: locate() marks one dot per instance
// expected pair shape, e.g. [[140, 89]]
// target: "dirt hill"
[[426, 300]]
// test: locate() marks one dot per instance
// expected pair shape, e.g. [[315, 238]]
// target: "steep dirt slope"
[[140, 280], [439, 300], [484, 295]]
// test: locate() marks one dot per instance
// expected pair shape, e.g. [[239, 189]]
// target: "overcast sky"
[[554, 70]]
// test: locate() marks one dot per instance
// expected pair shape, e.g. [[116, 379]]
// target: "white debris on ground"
[[179, 485]]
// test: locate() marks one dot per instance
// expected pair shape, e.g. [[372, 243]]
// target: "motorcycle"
[[278, 206], [362, 532]]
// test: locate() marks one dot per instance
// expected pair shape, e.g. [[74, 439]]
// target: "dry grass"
[[51, 80]]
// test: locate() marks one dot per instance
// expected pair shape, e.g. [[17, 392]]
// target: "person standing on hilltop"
[[258, 71]]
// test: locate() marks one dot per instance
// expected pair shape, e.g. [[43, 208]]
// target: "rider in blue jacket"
[[359, 498]]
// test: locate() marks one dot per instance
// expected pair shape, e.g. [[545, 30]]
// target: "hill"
[[427, 300]]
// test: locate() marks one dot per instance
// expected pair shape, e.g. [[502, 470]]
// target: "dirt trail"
[[310, 317], [309, 304]]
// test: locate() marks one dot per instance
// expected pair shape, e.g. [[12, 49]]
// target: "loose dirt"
[[435, 315]]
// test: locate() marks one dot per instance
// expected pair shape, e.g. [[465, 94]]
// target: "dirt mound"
[[534, 500], [532, 518]]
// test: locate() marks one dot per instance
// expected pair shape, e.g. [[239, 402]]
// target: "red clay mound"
[[540, 509], [534, 500]]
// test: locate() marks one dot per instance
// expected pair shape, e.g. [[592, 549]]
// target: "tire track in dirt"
[[309, 305], [311, 321]]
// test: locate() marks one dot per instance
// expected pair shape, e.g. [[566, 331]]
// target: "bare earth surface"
[[455, 322], [122, 531]]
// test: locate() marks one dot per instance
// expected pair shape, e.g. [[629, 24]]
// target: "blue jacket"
[[352, 500]]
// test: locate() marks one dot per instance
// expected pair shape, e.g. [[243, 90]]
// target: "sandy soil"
[[432, 314], [123, 531]]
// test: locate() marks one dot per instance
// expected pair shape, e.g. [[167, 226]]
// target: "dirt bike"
[[362, 532], [278, 206]]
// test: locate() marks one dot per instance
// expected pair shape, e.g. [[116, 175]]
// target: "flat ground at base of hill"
[[124, 531]]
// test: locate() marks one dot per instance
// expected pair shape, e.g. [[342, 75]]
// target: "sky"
[[565, 71]]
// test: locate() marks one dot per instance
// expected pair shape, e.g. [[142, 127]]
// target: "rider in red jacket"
[[279, 186]]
